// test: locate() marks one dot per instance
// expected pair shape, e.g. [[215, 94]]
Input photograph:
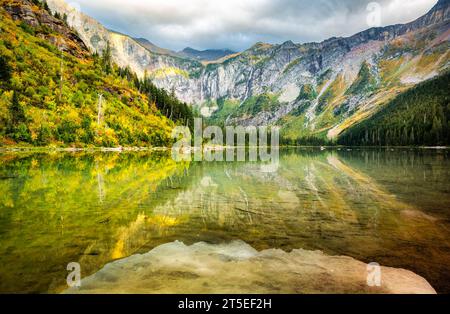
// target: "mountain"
[[206, 55], [210, 55], [155, 49], [53, 91], [126, 51], [310, 90]]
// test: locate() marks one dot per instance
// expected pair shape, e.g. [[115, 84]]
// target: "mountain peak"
[[288, 44], [206, 55], [438, 14], [147, 44], [440, 6]]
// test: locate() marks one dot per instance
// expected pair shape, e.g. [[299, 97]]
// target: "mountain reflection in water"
[[389, 207]]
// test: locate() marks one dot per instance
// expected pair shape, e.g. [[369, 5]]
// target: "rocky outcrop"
[[42, 21], [238, 268]]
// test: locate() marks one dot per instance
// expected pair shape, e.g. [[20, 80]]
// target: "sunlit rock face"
[[395, 57], [164, 68], [398, 57], [238, 268]]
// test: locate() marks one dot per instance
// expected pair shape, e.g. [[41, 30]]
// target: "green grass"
[[365, 82], [291, 65], [226, 108], [256, 104]]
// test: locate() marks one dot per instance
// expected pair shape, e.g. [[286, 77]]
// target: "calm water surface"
[[385, 206]]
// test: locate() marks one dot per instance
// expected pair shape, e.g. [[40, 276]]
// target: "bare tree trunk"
[[61, 69], [100, 109]]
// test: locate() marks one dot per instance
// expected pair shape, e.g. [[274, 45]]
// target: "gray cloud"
[[238, 24]]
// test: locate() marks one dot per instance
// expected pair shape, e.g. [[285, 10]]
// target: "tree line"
[[167, 103], [420, 116]]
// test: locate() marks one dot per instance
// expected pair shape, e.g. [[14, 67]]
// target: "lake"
[[390, 206]]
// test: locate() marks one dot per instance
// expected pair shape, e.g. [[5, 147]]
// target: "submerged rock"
[[236, 267]]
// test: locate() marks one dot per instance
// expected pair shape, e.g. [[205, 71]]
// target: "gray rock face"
[[167, 69], [264, 68], [261, 68]]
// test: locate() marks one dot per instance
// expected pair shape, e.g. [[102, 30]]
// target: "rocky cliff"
[[51, 29], [346, 79]]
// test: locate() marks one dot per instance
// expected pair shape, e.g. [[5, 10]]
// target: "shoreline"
[[13, 149], [75, 150]]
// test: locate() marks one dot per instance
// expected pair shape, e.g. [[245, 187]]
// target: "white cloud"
[[238, 24]]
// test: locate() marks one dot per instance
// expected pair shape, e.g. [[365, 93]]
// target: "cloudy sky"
[[238, 24]]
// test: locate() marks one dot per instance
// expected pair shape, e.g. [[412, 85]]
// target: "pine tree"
[[5, 70], [436, 130], [45, 6], [18, 129], [106, 59], [16, 110]]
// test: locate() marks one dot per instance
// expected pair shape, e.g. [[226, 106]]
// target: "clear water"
[[385, 206]]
